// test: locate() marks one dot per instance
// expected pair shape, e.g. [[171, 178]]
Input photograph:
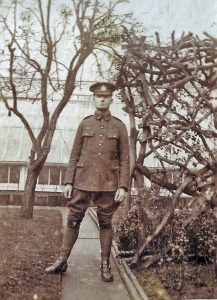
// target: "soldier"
[[98, 168]]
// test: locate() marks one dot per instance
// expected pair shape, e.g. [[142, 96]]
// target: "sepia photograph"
[[108, 160]]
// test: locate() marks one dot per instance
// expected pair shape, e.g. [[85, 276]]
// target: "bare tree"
[[35, 64], [170, 91]]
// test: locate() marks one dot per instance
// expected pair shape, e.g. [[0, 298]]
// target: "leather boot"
[[106, 274], [69, 238], [59, 266]]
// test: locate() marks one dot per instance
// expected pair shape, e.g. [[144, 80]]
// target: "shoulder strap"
[[87, 117], [118, 119]]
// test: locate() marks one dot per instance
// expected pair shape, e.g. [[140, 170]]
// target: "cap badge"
[[103, 88]]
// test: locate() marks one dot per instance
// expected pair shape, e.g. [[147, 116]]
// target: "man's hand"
[[120, 195], [68, 191]]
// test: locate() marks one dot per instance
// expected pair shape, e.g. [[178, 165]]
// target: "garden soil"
[[27, 247]]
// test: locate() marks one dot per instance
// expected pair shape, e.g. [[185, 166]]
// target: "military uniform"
[[98, 166], [99, 159]]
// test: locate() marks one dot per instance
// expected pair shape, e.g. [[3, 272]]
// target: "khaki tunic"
[[99, 159]]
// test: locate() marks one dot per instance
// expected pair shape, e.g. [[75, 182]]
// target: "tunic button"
[[99, 153], [100, 135], [100, 144], [102, 127]]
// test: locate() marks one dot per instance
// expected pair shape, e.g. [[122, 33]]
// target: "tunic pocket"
[[88, 134], [88, 131], [114, 165], [112, 139], [113, 134]]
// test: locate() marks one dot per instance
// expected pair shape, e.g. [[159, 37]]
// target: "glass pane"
[[14, 174], [55, 175], [4, 174], [43, 176]]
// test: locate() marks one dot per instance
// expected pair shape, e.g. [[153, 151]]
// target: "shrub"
[[175, 242], [128, 230], [202, 234]]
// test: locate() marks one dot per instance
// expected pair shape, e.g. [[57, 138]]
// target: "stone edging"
[[130, 281]]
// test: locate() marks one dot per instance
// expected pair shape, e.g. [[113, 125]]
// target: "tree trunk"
[[127, 203], [26, 210], [139, 179], [132, 149]]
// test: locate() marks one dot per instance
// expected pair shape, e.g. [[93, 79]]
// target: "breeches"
[[80, 201]]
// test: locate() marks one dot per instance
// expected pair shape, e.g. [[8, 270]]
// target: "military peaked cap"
[[102, 88]]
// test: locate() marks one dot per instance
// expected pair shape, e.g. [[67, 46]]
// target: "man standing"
[[99, 169]]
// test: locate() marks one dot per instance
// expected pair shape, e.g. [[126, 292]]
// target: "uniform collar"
[[101, 115]]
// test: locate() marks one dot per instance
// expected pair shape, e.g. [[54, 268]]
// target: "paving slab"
[[82, 280]]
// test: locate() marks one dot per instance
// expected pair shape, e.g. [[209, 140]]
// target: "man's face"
[[102, 102]]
